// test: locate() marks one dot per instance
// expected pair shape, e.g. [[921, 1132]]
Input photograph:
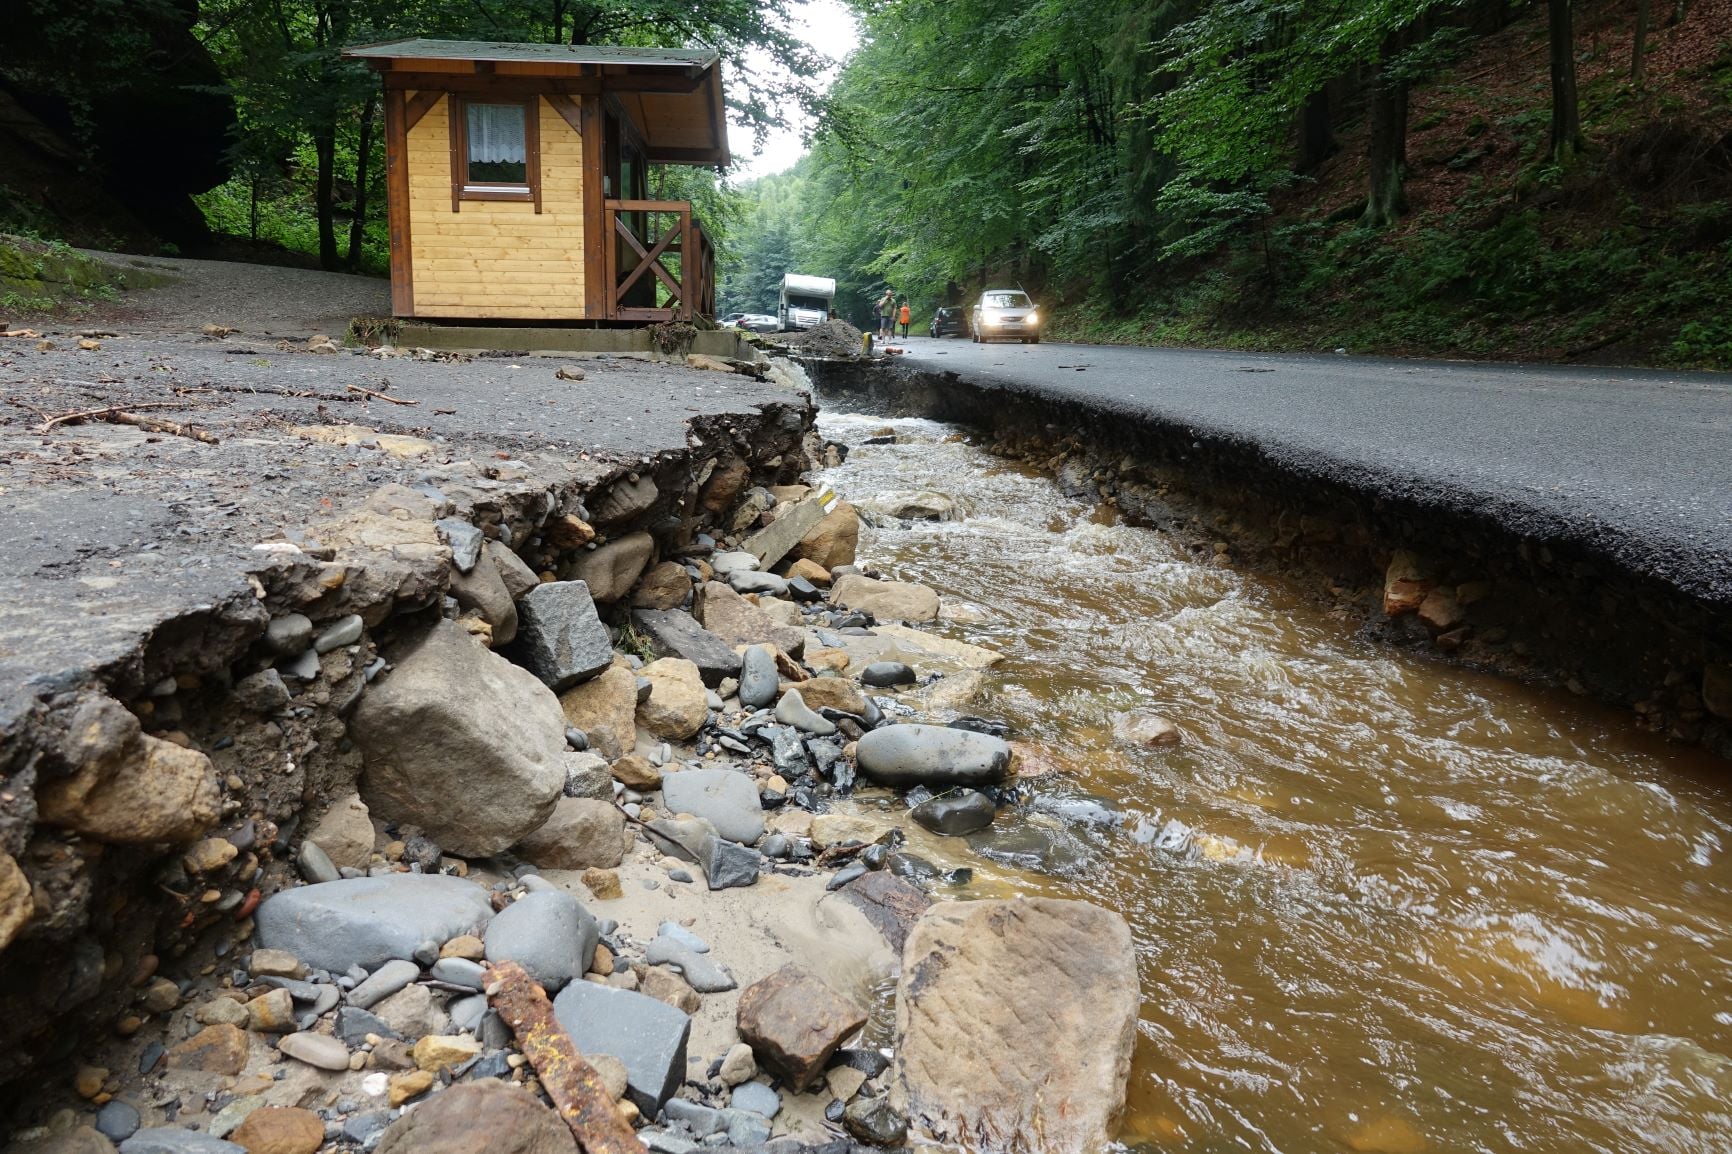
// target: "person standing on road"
[[886, 314], [903, 316]]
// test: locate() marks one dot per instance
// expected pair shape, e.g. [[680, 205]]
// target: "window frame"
[[462, 188]]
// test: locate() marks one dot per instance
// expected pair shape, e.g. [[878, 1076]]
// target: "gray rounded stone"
[[758, 678], [550, 935], [117, 1120], [756, 1097], [934, 755]]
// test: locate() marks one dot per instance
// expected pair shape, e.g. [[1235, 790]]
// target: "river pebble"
[[793, 710], [318, 1050], [887, 674]]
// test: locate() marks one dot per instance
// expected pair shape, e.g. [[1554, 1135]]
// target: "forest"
[[1476, 177], [1550, 178]]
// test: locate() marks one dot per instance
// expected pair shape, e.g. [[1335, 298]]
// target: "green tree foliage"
[[309, 155]]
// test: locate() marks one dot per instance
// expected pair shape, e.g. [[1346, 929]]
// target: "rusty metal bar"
[[573, 1085]]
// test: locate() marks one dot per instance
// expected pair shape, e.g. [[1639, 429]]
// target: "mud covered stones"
[[974, 1066], [903, 756], [605, 708], [369, 921], [612, 569], [462, 743], [220, 1049], [484, 1115], [833, 541], [280, 1130], [739, 622], [794, 1022]]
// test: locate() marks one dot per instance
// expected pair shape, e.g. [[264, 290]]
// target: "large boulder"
[[676, 633], [885, 600], [794, 1022], [726, 799], [933, 755], [605, 708], [369, 921], [677, 706], [611, 570], [738, 622], [483, 1115], [1015, 1018], [126, 786], [582, 833], [833, 540], [559, 637], [648, 1036], [548, 933], [462, 743]]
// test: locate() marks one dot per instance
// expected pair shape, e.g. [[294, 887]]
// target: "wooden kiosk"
[[515, 176]]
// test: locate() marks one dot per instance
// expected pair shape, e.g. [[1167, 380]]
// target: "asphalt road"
[[1635, 463]]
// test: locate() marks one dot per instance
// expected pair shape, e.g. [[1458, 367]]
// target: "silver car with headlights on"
[[1006, 314]]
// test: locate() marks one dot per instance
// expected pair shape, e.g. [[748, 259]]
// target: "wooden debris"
[[124, 415], [380, 396], [158, 425], [102, 414], [573, 1085]]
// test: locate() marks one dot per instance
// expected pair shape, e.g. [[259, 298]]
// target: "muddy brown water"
[[1381, 904]]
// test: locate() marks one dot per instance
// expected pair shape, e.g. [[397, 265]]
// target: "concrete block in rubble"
[[647, 1036]]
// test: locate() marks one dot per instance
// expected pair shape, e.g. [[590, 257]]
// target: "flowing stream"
[[1381, 904]]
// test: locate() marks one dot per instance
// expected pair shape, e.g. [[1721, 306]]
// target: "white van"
[[805, 301]]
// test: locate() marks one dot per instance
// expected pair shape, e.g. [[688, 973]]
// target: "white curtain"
[[496, 134]]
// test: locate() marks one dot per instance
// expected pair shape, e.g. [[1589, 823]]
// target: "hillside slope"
[[1624, 254]]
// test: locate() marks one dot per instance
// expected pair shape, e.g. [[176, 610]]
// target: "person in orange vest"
[[902, 317]]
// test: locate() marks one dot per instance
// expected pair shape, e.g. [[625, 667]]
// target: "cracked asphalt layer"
[[110, 530], [1634, 464]]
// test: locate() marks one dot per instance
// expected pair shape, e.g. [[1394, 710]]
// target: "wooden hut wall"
[[497, 259]]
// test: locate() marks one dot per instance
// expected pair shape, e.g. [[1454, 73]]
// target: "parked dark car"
[[949, 322]]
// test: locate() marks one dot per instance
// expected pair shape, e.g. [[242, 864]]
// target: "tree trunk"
[[1566, 110], [1316, 133], [253, 207], [363, 154], [1386, 198], [1638, 54], [325, 148]]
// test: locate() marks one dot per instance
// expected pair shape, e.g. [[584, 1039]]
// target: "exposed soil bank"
[[1553, 606], [144, 705]]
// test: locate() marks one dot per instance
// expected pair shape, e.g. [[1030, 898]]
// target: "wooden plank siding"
[[497, 259]]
